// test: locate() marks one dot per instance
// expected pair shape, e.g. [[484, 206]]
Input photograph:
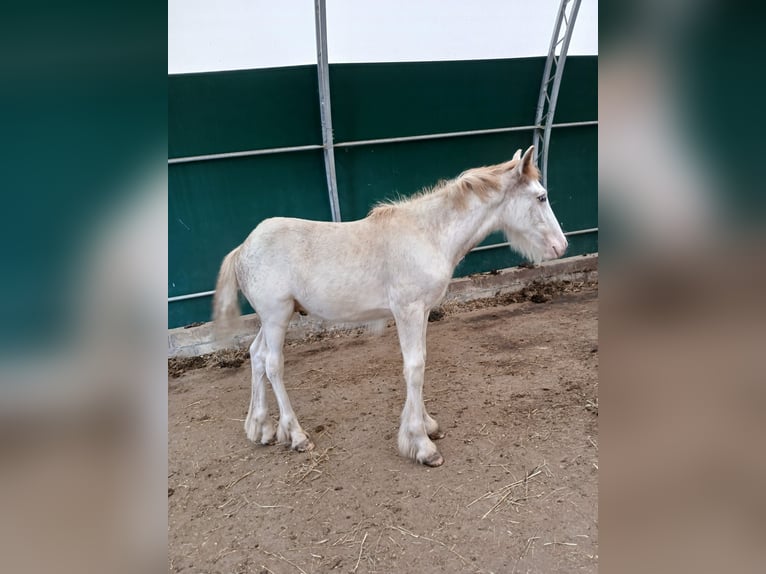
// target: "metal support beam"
[[549, 88], [247, 153], [379, 141], [323, 71], [191, 296], [507, 244], [435, 136]]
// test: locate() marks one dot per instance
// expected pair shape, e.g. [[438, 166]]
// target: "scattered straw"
[[316, 460], [530, 541], [285, 560], [361, 549], [440, 543], [320, 495], [395, 542], [505, 492], [271, 505], [240, 507], [435, 491], [380, 535], [244, 476], [349, 537]]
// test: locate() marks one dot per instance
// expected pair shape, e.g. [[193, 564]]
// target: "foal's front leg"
[[414, 442]]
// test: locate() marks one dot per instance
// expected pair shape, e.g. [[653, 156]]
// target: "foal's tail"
[[225, 302]]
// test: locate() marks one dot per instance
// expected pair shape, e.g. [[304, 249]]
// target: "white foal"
[[395, 262]]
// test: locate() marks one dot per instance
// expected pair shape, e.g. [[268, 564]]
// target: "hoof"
[[269, 441], [434, 459], [304, 446], [260, 433], [437, 435]]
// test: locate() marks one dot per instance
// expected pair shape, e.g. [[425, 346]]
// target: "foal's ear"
[[527, 166], [517, 155]]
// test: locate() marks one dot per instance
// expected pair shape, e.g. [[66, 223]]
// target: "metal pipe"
[[482, 248], [507, 244], [247, 153], [190, 296], [323, 72], [377, 141], [581, 231], [434, 136], [575, 124]]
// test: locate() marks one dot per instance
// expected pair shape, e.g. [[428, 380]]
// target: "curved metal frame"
[[549, 92]]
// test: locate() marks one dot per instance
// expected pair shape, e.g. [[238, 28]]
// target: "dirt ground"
[[514, 385]]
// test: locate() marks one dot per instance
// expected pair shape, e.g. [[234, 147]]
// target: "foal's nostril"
[[559, 248]]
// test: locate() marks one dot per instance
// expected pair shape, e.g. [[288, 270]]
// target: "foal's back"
[[338, 271]]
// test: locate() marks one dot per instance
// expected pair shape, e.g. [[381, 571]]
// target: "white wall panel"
[[209, 35]]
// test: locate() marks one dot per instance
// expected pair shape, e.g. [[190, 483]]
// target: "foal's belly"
[[349, 308]]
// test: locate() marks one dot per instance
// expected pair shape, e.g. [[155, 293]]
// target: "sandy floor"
[[514, 386]]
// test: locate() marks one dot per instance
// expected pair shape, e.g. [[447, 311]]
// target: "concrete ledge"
[[513, 279], [200, 340]]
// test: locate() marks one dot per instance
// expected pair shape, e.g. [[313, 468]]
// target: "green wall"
[[213, 205], [221, 112]]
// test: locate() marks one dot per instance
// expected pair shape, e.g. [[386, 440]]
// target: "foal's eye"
[[542, 198]]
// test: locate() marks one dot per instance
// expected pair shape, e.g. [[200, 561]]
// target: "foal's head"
[[526, 215]]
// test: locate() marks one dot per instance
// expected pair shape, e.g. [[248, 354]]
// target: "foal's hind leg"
[[273, 329], [257, 423]]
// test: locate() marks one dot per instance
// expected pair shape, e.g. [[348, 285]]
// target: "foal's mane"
[[479, 182]]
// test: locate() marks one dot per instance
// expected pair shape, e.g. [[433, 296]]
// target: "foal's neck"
[[458, 228]]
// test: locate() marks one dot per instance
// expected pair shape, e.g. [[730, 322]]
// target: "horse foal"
[[397, 262]]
